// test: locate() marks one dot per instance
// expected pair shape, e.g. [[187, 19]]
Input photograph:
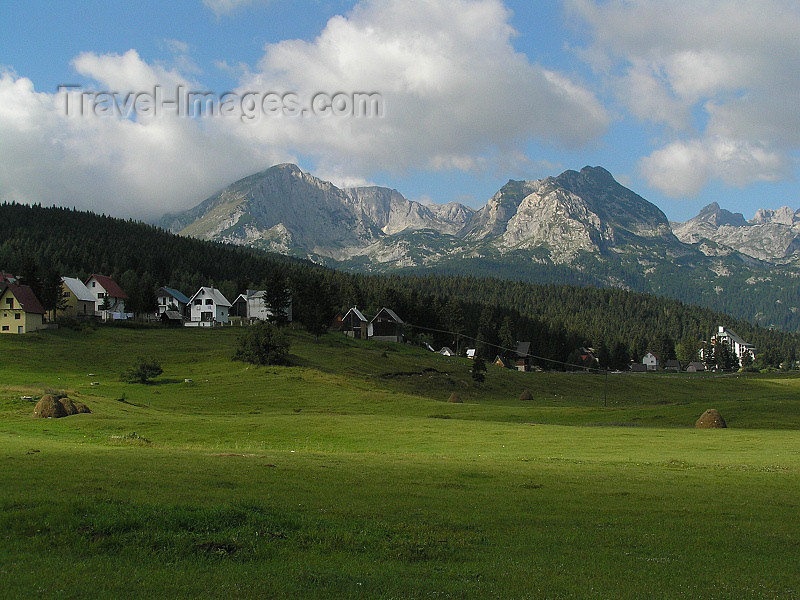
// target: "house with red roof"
[[20, 309], [109, 297]]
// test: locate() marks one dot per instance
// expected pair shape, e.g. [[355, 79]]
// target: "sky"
[[686, 103]]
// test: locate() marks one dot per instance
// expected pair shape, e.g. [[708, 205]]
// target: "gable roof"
[[7, 277], [523, 349], [26, 298], [672, 363], [392, 315], [653, 354], [78, 288], [357, 313], [734, 337], [109, 285], [176, 294], [172, 315], [213, 293]]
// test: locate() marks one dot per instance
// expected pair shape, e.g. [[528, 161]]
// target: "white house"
[[208, 307], [109, 297], [445, 351], [252, 305], [651, 361], [734, 342]]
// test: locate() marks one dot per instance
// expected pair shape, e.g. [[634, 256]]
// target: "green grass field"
[[348, 475]]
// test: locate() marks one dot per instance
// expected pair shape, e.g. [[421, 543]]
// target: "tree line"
[[43, 243]]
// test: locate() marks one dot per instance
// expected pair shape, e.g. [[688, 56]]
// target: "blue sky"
[[686, 103]]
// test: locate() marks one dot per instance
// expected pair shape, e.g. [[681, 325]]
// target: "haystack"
[[454, 398], [711, 419], [50, 406], [526, 395]]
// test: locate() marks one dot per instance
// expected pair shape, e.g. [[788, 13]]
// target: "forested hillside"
[[37, 242]]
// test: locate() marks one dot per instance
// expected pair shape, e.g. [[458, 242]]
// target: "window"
[[5, 327], [209, 301], [17, 316], [10, 302], [198, 302], [93, 283]]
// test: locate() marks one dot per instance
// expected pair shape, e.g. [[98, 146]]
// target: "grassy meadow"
[[348, 475]]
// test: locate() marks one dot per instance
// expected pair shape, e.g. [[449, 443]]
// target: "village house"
[[638, 368], [208, 307], [170, 299], [651, 361], [695, 367], [355, 324], [503, 362], [522, 361], [386, 326], [737, 345], [672, 365], [172, 318], [252, 306], [79, 301], [20, 309], [445, 351], [108, 296]]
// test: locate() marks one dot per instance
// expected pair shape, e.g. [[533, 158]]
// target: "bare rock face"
[[711, 419], [772, 235]]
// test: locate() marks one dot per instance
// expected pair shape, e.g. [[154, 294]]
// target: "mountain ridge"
[[581, 227]]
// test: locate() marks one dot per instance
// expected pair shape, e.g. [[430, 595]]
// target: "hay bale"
[[454, 399], [526, 395], [49, 406], [54, 407], [81, 408], [711, 419], [69, 406]]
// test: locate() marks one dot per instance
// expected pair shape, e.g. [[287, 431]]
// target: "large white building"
[[734, 342]]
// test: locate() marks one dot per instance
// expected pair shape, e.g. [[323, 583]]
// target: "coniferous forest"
[[40, 244]]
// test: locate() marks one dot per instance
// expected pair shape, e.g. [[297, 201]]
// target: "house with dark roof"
[[672, 365], [109, 297], [172, 318], [695, 367], [522, 360], [737, 345], [355, 324], [386, 326], [170, 299], [20, 309]]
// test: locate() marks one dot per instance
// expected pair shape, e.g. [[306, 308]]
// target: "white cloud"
[[139, 168], [454, 87], [722, 75], [457, 97], [225, 7], [684, 168]]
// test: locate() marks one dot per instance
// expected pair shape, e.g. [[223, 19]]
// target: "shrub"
[[142, 370], [263, 344]]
